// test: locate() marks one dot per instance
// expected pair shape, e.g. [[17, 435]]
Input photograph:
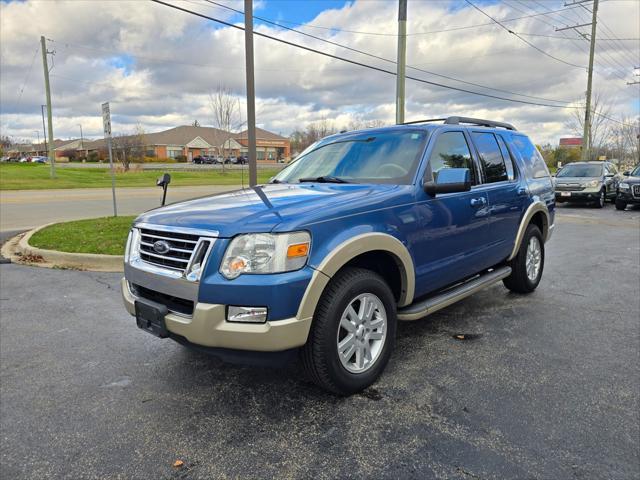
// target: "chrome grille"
[[569, 187], [636, 190], [181, 247]]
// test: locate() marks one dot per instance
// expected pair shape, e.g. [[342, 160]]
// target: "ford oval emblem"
[[161, 247]]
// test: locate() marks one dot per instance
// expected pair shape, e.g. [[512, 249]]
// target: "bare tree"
[[625, 140], [225, 108], [129, 147], [600, 131]]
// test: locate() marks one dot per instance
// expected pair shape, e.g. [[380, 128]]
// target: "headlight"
[[592, 183], [131, 251], [265, 253], [623, 186]]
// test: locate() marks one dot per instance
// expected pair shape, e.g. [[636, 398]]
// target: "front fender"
[[347, 250]]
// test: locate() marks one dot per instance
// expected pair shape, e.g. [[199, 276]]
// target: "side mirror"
[[449, 180], [164, 182], [609, 175], [627, 173]]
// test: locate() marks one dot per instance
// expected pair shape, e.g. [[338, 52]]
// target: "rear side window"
[[508, 161], [451, 151], [491, 158], [530, 155]]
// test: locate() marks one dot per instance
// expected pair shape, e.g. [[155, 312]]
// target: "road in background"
[[24, 209], [546, 386], [177, 166]]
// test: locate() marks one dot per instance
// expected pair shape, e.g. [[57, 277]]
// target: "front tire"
[[528, 264], [620, 205], [601, 200], [353, 332]]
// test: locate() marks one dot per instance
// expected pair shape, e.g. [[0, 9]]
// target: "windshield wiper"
[[323, 179]]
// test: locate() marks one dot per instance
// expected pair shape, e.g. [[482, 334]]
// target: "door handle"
[[478, 202]]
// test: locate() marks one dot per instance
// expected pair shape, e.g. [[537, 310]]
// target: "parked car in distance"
[[364, 229], [239, 160], [629, 189], [25, 159], [587, 182], [39, 159]]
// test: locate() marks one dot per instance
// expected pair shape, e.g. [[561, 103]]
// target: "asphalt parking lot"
[[546, 387]]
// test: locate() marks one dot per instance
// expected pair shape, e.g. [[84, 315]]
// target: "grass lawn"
[[106, 235], [27, 176]]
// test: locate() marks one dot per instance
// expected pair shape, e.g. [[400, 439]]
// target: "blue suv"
[[363, 229]]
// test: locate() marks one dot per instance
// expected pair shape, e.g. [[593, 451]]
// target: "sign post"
[[106, 122]]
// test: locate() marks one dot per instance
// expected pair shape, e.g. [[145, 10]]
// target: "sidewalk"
[[24, 209]]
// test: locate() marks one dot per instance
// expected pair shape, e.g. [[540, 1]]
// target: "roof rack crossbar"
[[471, 121]]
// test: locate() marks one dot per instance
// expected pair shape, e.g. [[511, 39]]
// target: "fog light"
[[246, 314]]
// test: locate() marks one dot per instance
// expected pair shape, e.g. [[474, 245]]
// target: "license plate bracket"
[[565, 194], [150, 317]]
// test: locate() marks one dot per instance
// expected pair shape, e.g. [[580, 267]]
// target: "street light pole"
[[45, 66], [44, 129], [38, 133], [251, 92], [586, 135], [402, 60]]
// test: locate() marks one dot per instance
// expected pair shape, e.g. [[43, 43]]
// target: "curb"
[[19, 251]]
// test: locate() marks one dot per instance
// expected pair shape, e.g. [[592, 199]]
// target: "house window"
[[173, 152]]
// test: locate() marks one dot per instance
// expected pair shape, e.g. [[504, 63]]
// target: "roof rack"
[[471, 121]]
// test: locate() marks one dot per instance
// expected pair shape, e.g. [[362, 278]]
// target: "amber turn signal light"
[[298, 250]]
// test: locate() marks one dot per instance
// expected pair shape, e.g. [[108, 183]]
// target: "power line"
[[26, 79], [362, 52], [355, 62], [523, 39], [577, 41], [372, 67], [573, 39], [359, 32]]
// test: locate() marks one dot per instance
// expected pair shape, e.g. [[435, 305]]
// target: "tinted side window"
[[531, 156], [451, 151], [490, 157], [508, 160]]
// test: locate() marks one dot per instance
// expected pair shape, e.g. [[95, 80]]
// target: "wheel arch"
[[538, 214], [378, 251]]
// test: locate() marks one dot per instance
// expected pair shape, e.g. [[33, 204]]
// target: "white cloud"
[[157, 65]]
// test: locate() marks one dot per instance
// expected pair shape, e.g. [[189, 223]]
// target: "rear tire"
[[353, 332], [620, 205], [528, 264]]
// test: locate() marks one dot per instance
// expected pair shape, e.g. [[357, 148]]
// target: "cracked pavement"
[[546, 386]]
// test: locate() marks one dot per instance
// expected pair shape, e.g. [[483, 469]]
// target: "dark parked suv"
[[629, 189], [363, 229]]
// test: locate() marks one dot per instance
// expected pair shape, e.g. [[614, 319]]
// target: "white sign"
[[106, 119]]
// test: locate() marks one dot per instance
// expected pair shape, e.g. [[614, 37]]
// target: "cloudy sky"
[[157, 65]]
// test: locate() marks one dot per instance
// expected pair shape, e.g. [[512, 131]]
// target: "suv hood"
[[262, 208]]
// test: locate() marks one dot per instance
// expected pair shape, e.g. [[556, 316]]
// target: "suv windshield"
[[636, 172], [585, 170], [365, 157]]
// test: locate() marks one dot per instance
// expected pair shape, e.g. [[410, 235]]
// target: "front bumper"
[[627, 197], [580, 196], [208, 327]]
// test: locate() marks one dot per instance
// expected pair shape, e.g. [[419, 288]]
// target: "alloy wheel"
[[362, 333]]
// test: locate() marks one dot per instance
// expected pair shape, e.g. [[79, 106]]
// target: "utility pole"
[[81, 138], [45, 66], [38, 134], [44, 130], [586, 132], [401, 60], [251, 92]]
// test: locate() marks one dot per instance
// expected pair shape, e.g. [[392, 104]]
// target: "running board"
[[430, 305]]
